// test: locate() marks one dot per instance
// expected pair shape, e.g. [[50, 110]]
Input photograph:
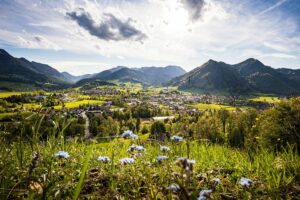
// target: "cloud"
[[279, 3], [195, 8], [111, 28]]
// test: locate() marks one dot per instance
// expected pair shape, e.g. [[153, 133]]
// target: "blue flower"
[[176, 138], [183, 159], [161, 158], [216, 181], [140, 148], [135, 147], [204, 194], [246, 182], [164, 148], [131, 148], [125, 161], [129, 134], [173, 187], [104, 159], [62, 154]]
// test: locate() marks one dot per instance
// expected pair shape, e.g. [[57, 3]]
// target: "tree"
[[223, 115], [158, 129], [280, 126]]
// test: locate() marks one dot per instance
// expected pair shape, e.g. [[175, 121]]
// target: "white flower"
[[173, 187], [125, 161], [104, 159], [161, 158], [216, 180], [176, 138], [246, 182], [164, 148], [204, 194], [62, 154], [129, 134]]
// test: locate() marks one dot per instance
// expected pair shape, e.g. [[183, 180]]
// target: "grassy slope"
[[272, 173]]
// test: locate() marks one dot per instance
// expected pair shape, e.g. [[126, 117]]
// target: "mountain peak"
[[4, 53]]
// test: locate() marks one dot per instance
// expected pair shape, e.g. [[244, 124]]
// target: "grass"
[[202, 106], [267, 99], [83, 176]]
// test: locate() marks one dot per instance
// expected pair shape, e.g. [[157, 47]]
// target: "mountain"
[[74, 79], [144, 75], [20, 70], [212, 76], [246, 77]]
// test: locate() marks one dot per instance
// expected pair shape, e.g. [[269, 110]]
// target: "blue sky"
[[88, 36]]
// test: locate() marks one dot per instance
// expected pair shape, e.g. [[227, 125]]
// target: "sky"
[[88, 36]]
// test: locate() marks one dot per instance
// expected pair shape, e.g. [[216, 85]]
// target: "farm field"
[[266, 99], [77, 104], [203, 106]]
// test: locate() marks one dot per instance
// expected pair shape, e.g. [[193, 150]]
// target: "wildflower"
[[176, 138], [246, 182], [134, 147], [104, 159], [216, 181], [164, 148], [125, 161], [148, 163], [140, 148], [173, 187], [129, 134], [186, 163], [131, 148], [161, 158], [204, 194], [62, 154]]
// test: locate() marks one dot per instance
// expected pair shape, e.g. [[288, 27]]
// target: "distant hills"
[[149, 76], [248, 76], [20, 71]]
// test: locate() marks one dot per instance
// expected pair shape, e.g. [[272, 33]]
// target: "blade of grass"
[[82, 173]]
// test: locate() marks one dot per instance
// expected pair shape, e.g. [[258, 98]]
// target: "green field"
[[77, 104], [8, 94], [267, 99], [203, 106]]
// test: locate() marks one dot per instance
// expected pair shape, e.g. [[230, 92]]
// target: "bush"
[[280, 125]]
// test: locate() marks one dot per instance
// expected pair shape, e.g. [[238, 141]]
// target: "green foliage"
[[158, 130], [280, 126]]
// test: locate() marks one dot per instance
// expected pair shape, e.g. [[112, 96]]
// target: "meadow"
[[34, 172], [203, 106]]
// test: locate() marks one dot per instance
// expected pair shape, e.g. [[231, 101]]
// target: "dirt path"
[[87, 133]]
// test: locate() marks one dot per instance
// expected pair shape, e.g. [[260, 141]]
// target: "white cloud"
[[225, 31]]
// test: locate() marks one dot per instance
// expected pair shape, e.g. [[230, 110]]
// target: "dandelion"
[[173, 187], [176, 138], [129, 134], [125, 161], [164, 148], [62, 154], [216, 181], [204, 194], [246, 182], [103, 159], [161, 158]]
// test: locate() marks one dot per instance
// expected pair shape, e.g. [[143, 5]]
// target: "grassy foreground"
[[33, 172]]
